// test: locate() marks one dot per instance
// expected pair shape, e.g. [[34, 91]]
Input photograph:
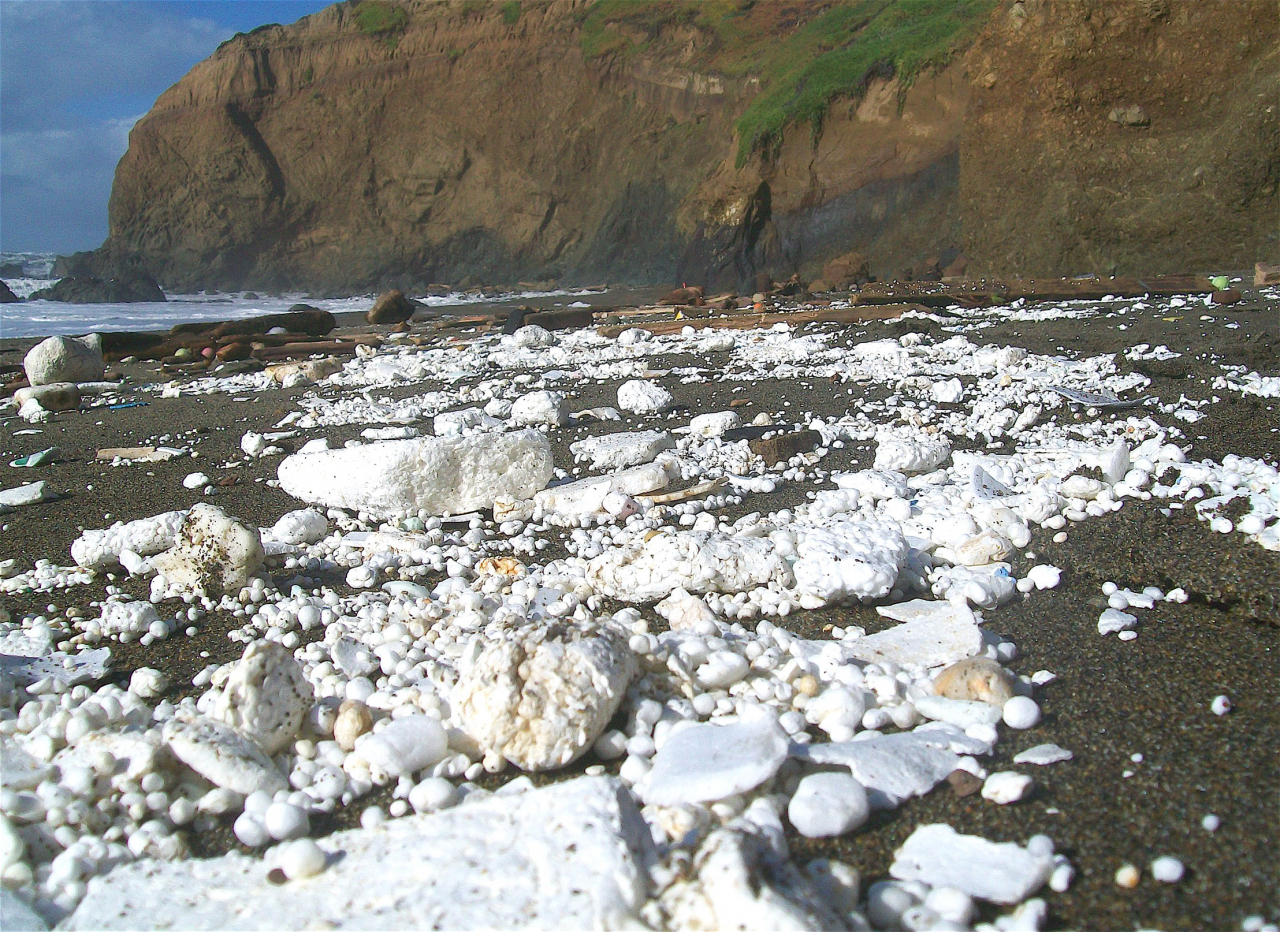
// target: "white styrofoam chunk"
[[405, 746], [707, 762], [698, 561], [264, 695], [542, 407], [714, 423], [540, 694], [828, 804], [454, 423], [438, 474], [940, 634], [145, 537], [849, 559], [893, 768], [213, 552], [570, 856], [304, 526], [876, 484], [640, 396], [617, 451], [1000, 873], [910, 455], [223, 756], [592, 496], [959, 712], [1043, 754]]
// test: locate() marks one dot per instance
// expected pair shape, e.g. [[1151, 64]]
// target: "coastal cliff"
[[379, 143]]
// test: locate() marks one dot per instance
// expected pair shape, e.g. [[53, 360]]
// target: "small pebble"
[[1221, 705], [1007, 787], [1127, 876], [1021, 712], [1211, 823], [1167, 869]]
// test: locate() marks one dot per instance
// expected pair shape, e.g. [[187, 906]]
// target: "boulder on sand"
[[689, 295], [849, 269], [65, 359], [390, 308]]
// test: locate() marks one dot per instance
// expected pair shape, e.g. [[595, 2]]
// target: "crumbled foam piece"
[[876, 484], [617, 451], [706, 762], [848, 559], [539, 408], [132, 617], [213, 552], [640, 396], [910, 455], [573, 855], [304, 526], [714, 423], [939, 856], [438, 474], [643, 570], [938, 634], [894, 767], [455, 423], [145, 537], [594, 496], [1113, 620]]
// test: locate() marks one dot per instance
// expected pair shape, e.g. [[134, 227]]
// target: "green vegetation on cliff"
[[805, 55], [380, 18]]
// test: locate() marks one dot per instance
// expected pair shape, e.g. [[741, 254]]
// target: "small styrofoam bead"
[[1021, 712], [1167, 869], [284, 821]]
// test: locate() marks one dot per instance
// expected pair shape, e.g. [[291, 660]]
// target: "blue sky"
[[74, 77]]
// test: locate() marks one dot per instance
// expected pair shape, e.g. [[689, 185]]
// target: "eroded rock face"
[[539, 695], [264, 695], [213, 552]]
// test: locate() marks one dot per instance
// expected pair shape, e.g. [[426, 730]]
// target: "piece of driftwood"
[[849, 315], [986, 293]]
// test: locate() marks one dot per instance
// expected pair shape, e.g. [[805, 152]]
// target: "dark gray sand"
[[1111, 699]]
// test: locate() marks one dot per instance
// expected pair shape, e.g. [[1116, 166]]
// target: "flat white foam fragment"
[[848, 559], [570, 856], [540, 694], [304, 526], [21, 770], [437, 474], [405, 746], [937, 634], [223, 756], [617, 451], [1007, 786], [643, 570], [1004, 873], [30, 494], [69, 669], [1043, 755], [893, 768], [707, 762], [455, 423], [959, 712], [1113, 620], [145, 537]]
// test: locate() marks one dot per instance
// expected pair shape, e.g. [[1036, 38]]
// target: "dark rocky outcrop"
[[131, 289], [390, 308], [585, 142], [6, 295]]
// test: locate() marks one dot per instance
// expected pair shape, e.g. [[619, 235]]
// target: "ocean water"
[[50, 318]]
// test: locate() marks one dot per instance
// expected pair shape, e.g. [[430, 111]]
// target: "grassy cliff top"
[[805, 54]]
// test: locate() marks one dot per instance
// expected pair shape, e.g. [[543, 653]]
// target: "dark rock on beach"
[[87, 290], [7, 296]]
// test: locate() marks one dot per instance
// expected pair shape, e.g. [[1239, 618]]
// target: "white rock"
[[828, 804], [213, 552], [617, 451], [892, 768], [195, 480], [1006, 787], [938, 633], [223, 756], [438, 474], [902, 455], [304, 526], [573, 855], [714, 423], [1000, 873], [145, 537], [643, 570], [540, 694], [1021, 712], [959, 712], [1043, 754], [531, 335], [707, 762], [537, 408], [640, 396], [64, 359], [264, 695], [404, 746], [977, 679], [148, 683], [848, 559]]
